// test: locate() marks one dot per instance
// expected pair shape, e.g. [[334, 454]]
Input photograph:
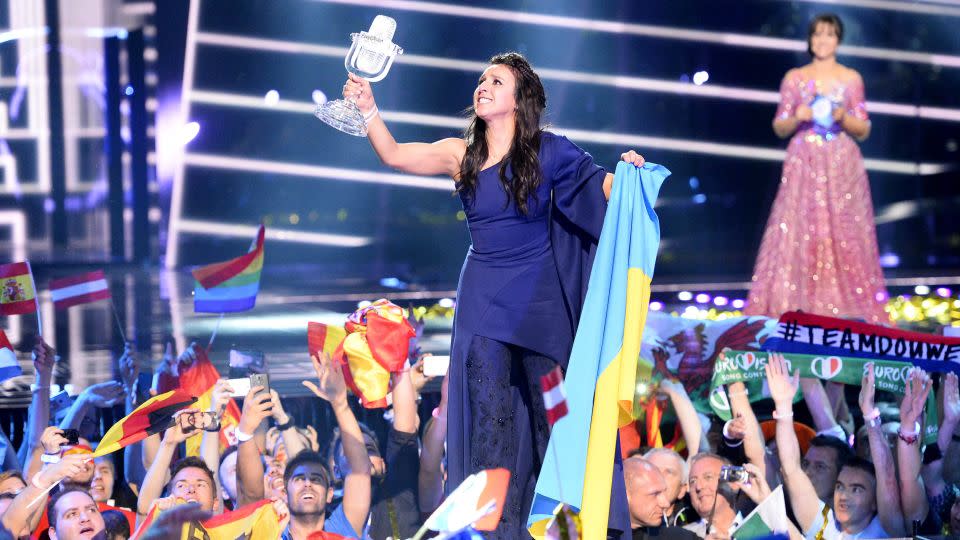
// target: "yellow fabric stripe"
[[612, 408]]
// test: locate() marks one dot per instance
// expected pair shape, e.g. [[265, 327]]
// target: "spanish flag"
[[255, 520], [602, 373], [17, 293], [199, 379], [373, 343], [232, 285], [154, 416]]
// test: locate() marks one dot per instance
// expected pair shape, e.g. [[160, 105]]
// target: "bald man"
[[647, 501]]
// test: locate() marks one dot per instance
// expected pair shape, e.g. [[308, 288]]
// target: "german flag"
[[256, 520], [199, 379], [154, 416]]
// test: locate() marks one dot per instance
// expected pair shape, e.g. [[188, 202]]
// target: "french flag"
[[81, 289], [554, 396]]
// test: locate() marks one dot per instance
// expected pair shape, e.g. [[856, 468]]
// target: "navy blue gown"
[[518, 302]]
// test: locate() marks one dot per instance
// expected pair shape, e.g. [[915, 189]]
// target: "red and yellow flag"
[[199, 379], [376, 343], [17, 293], [256, 520], [154, 416]]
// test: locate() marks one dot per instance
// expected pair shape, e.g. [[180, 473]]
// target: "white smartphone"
[[436, 366], [240, 386]]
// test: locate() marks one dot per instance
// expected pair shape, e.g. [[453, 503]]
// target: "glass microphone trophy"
[[370, 57]]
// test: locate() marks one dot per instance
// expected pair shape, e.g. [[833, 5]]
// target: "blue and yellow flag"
[[602, 373]]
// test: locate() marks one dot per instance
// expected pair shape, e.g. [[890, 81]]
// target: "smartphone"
[[72, 436], [436, 366], [260, 379], [240, 386], [245, 362]]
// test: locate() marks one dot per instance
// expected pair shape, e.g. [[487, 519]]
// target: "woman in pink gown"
[[819, 249]]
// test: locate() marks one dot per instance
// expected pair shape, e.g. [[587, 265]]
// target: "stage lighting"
[[190, 132], [656, 306], [700, 77], [922, 290], [271, 98], [684, 296]]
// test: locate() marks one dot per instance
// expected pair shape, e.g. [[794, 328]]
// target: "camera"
[[733, 474]]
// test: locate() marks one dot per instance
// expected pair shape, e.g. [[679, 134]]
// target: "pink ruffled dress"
[[819, 250]]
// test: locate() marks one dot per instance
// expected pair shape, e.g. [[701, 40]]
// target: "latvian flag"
[[554, 396], [76, 290]]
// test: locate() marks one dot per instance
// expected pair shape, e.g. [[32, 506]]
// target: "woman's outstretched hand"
[[359, 91], [629, 157]]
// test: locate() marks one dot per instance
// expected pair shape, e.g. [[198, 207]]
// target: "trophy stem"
[[343, 115]]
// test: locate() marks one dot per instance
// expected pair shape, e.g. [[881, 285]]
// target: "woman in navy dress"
[[535, 204]]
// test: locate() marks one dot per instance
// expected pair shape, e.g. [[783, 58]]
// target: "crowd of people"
[[861, 473]]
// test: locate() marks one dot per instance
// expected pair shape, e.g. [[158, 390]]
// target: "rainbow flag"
[[602, 373], [232, 285]]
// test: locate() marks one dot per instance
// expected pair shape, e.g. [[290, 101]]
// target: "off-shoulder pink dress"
[[819, 250]]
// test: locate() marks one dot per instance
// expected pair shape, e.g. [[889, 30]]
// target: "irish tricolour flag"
[[76, 290]]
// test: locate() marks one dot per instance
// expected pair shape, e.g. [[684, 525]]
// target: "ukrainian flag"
[[602, 373]]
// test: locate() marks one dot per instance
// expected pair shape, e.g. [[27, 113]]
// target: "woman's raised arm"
[[441, 157]]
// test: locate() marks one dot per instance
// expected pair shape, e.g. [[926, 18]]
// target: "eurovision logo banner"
[[748, 366]]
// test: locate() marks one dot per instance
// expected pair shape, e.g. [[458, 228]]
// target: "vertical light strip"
[[176, 199]]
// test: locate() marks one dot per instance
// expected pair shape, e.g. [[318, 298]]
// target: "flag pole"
[[36, 300], [116, 317], [44, 493], [214, 334]]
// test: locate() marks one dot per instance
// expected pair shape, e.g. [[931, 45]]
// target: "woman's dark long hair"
[[522, 158], [826, 18]]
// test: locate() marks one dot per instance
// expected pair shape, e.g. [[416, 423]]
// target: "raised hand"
[[257, 407], [417, 378], [332, 386], [128, 367], [914, 398], [632, 157], [867, 389], [358, 90], [782, 386], [69, 465], [105, 394], [222, 391], [52, 440], [44, 359], [279, 415], [736, 429], [180, 431], [951, 398], [756, 488], [172, 517]]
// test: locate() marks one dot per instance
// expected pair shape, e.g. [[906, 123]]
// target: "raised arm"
[[133, 468], [912, 493], [44, 359], [22, 516], [753, 446], [210, 440], [156, 477], [803, 496], [291, 438], [431, 457], [441, 157], [820, 408], [101, 395], [257, 407], [356, 485], [686, 414], [888, 489]]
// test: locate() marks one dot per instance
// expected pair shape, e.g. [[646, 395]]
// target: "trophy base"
[[343, 115]]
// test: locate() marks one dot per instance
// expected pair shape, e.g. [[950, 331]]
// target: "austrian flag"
[[554, 396], [75, 290]]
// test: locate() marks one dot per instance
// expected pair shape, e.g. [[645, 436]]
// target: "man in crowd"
[[675, 472], [714, 501], [649, 501]]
